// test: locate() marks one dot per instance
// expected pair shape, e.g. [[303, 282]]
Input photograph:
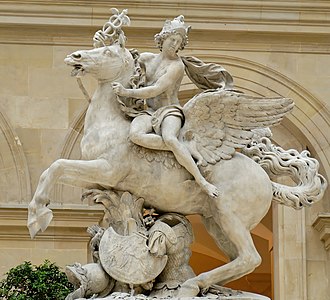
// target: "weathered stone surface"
[[243, 296], [214, 180]]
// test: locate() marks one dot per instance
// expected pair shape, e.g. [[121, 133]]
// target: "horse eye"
[[107, 51]]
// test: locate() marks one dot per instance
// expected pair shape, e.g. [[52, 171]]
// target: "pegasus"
[[216, 123]]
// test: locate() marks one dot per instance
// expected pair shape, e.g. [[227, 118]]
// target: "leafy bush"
[[30, 282]]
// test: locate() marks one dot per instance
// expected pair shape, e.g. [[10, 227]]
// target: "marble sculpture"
[[150, 162]]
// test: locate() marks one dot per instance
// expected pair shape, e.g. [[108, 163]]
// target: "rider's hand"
[[99, 39], [119, 89]]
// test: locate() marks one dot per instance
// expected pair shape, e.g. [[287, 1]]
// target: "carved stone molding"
[[322, 225], [283, 26], [69, 224], [237, 13]]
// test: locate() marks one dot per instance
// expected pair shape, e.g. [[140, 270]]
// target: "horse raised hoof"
[[34, 228], [44, 217], [189, 288]]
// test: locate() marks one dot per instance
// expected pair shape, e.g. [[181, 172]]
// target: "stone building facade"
[[270, 47]]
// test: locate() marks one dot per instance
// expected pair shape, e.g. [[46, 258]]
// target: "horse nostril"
[[76, 55]]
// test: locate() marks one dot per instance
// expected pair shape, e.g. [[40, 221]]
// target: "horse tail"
[[309, 186]]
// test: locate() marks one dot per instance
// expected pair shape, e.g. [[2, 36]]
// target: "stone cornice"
[[69, 223], [200, 39], [285, 16], [322, 225], [275, 26]]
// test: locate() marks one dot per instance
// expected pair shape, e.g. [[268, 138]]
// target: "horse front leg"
[[93, 171]]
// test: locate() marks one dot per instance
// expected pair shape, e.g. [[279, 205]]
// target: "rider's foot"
[[210, 189]]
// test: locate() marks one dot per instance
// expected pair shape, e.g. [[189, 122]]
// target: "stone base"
[[241, 296]]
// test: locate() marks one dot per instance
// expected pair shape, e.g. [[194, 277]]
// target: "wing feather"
[[221, 121]]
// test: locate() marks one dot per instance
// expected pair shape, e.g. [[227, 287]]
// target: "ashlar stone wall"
[[270, 47]]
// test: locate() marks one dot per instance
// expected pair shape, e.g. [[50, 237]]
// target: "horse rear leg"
[[235, 240], [221, 240], [93, 171]]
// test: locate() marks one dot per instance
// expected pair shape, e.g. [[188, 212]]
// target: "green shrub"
[[30, 282]]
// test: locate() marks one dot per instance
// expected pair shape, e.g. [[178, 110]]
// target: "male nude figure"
[[164, 73]]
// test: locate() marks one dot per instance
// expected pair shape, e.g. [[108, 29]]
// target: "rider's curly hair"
[[162, 36]]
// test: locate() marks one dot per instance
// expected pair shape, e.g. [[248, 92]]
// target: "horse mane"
[[138, 79], [132, 107]]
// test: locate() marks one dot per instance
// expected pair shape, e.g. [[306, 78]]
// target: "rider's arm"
[[173, 73]]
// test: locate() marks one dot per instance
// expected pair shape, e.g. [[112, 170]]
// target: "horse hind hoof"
[[188, 289]]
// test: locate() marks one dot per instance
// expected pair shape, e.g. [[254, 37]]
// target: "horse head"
[[107, 63]]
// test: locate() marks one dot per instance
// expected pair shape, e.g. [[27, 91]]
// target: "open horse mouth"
[[78, 70]]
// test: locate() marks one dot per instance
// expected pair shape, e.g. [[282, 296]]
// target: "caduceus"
[[112, 29]]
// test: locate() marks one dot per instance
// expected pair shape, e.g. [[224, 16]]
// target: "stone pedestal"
[[242, 296]]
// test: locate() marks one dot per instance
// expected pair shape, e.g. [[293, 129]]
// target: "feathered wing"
[[218, 122]]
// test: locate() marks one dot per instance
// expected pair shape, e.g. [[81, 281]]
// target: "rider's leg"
[[170, 129], [140, 134]]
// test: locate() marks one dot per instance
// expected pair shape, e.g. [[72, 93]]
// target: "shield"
[[127, 258]]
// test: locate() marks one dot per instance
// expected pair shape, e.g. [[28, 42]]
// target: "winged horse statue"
[[217, 123]]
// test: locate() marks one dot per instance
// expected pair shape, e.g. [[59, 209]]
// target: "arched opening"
[[13, 166]]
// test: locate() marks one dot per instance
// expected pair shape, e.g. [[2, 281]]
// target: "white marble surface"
[[243, 296]]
